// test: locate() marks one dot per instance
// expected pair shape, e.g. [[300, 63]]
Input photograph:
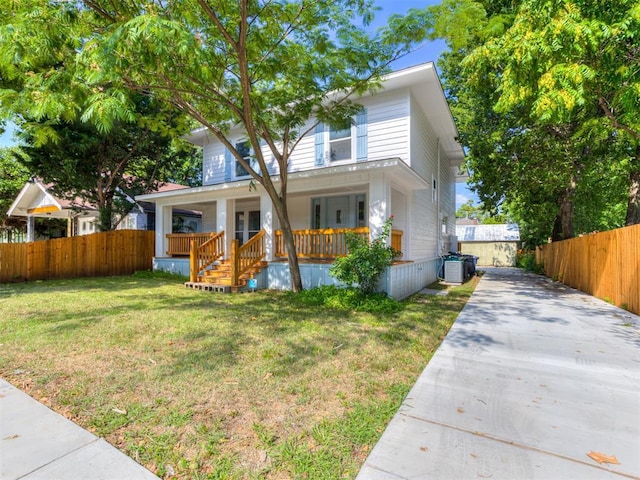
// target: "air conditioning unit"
[[454, 271]]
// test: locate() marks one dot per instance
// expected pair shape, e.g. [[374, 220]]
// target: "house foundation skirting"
[[178, 266], [399, 281]]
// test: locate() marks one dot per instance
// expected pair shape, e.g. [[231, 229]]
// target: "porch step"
[[218, 278], [222, 281]]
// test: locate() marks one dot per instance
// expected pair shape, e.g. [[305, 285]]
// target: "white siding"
[[424, 144], [387, 137], [424, 226], [304, 156], [213, 163], [429, 210], [388, 133]]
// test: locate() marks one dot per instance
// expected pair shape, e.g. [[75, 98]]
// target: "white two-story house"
[[399, 157]]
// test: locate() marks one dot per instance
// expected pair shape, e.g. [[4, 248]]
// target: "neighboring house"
[[466, 221], [36, 200], [494, 245], [399, 157]]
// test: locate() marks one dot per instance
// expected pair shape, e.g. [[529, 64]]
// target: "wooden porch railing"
[[327, 242], [318, 243], [396, 241], [246, 256], [180, 243], [203, 255]]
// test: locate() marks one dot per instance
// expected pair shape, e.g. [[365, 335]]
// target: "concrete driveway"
[[532, 378]]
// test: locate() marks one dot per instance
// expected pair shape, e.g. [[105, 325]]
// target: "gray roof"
[[505, 232]]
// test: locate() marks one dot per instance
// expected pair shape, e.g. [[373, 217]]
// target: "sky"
[[427, 53]]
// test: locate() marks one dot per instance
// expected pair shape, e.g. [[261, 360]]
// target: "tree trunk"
[[104, 218], [280, 205], [566, 202], [556, 233], [633, 204]]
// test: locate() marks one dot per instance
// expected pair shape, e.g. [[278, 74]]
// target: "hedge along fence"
[[121, 252], [605, 265]]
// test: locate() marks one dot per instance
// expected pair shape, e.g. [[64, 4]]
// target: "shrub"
[[365, 262], [527, 261], [348, 299]]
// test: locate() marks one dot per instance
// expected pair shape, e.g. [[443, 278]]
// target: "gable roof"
[[36, 199], [506, 232]]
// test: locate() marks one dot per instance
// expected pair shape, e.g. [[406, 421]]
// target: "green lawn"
[[201, 385]]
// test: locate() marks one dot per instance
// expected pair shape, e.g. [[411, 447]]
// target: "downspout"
[[438, 191]]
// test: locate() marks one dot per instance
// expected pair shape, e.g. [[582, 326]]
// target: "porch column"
[[164, 225], [225, 222], [209, 218], [31, 228], [379, 203], [266, 220]]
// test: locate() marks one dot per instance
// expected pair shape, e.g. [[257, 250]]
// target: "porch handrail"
[[180, 243], [318, 243], [244, 257], [396, 241], [204, 255]]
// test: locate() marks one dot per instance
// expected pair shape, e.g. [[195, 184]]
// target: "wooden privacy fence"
[[121, 252], [605, 265]]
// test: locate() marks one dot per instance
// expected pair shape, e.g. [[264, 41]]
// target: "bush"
[[347, 299], [527, 261], [365, 262]]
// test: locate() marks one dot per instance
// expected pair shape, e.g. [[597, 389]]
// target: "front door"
[[247, 225], [342, 211], [338, 215]]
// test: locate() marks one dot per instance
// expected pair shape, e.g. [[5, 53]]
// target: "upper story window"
[[340, 142], [233, 165], [244, 149], [346, 141]]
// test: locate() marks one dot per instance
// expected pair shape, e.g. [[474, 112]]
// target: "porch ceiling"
[[353, 176], [343, 178]]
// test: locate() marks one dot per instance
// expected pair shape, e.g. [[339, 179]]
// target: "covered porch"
[[323, 207], [321, 243]]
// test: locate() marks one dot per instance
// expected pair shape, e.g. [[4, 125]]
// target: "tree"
[[268, 66], [472, 211], [106, 169], [576, 61], [13, 176], [527, 155], [93, 154]]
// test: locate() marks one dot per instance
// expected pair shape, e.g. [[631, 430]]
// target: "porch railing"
[[327, 242], [396, 241], [203, 255], [247, 256], [180, 243]]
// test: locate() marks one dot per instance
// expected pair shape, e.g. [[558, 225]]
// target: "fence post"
[[235, 262], [193, 262]]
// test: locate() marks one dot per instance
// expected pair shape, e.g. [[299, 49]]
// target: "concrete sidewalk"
[[37, 443], [532, 377]]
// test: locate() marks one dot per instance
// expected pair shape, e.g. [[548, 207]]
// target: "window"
[[254, 223], [240, 227], [362, 221], [244, 149], [340, 142], [434, 191]]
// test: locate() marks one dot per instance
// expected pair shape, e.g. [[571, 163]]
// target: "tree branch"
[[614, 121], [216, 21]]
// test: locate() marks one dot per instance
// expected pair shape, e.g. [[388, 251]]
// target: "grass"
[[195, 385]]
